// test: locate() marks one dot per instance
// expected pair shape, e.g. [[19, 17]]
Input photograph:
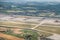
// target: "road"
[[43, 20]]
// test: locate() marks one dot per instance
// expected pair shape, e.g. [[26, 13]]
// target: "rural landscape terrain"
[[30, 21]]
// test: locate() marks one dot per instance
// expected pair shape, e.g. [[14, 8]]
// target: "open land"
[[11, 26]]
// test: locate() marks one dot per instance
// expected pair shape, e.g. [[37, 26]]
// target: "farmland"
[[20, 26]]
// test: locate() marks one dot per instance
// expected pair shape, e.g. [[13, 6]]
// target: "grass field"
[[15, 24], [49, 29], [10, 25]]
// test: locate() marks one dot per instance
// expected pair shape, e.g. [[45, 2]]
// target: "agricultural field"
[[25, 28], [29, 20]]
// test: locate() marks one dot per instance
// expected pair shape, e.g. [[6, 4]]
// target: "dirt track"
[[9, 37]]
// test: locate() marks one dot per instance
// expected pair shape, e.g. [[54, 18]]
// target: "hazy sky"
[[28, 0]]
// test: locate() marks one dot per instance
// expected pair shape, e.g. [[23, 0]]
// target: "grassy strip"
[[49, 29]]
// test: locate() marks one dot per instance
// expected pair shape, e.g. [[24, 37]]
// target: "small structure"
[[57, 21]]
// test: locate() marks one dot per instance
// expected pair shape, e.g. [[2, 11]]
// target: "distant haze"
[[30, 0]]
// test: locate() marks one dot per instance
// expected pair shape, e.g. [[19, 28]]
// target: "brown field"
[[9, 37]]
